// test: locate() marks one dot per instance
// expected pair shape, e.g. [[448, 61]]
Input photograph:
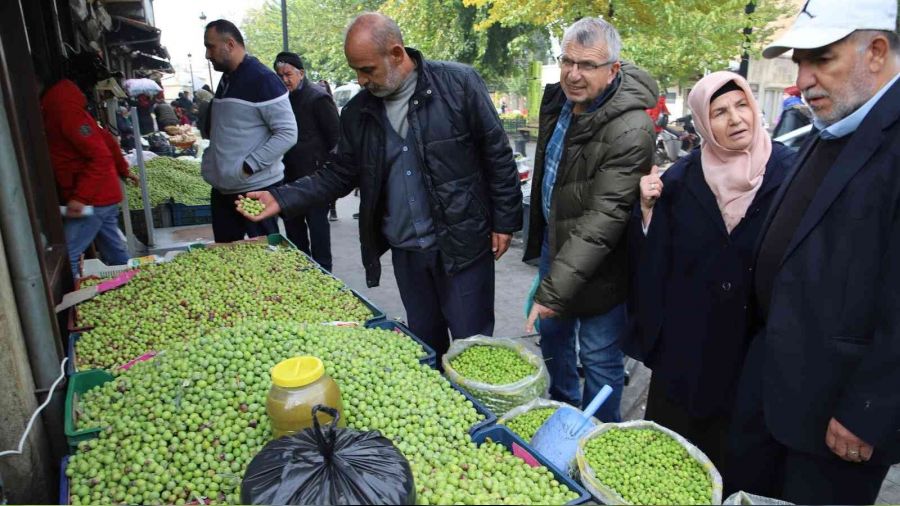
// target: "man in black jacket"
[[818, 412], [318, 131], [438, 183]]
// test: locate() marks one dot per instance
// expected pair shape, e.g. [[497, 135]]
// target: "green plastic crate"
[[79, 383]]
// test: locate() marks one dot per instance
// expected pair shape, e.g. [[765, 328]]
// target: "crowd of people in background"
[[760, 284]]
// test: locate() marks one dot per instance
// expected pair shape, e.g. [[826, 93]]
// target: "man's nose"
[[806, 77]]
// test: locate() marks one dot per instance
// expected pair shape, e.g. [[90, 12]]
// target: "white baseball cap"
[[823, 22]]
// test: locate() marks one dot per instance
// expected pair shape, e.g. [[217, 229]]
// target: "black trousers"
[[759, 464], [229, 225], [436, 301], [312, 234], [710, 434]]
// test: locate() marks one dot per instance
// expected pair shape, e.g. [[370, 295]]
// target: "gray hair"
[[864, 37], [383, 31], [589, 31]]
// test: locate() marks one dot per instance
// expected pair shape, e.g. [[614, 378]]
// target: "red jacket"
[[86, 158], [657, 111]]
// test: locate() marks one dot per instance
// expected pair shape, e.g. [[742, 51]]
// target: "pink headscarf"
[[733, 176]]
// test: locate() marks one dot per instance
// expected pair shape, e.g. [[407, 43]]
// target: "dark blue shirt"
[[407, 222]]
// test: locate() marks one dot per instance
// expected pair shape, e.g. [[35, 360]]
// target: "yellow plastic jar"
[[298, 384]]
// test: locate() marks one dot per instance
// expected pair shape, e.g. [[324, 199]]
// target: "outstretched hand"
[[270, 206]]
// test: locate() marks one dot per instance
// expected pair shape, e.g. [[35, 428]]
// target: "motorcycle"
[[675, 140]]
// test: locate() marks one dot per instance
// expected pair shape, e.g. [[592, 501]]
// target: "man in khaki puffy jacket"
[[595, 143]]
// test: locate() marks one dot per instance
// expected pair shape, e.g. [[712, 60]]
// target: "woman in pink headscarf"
[[692, 240]]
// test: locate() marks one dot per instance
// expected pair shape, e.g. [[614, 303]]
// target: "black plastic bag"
[[329, 465]]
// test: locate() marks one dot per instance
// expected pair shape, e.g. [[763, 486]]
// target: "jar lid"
[[297, 372]]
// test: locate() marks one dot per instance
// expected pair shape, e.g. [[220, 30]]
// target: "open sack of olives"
[[641, 462], [526, 419], [500, 373]]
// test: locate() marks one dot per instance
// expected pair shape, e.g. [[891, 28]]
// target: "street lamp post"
[[208, 66], [191, 67], [748, 30], [284, 25]]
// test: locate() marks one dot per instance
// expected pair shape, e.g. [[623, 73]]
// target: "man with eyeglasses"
[[594, 144]]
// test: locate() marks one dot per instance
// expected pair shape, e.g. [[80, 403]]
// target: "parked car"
[[795, 138], [343, 94]]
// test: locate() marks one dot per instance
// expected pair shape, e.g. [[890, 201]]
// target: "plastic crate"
[[502, 435], [64, 482], [185, 215], [429, 358], [377, 314], [73, 325], [489, 417], [80, 383], [71, 364], [162, 218]]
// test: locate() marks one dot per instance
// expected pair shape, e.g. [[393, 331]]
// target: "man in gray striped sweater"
[[251, 126]]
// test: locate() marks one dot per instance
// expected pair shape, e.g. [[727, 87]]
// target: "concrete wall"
[[28, 478]]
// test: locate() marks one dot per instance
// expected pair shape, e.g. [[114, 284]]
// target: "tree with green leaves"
[[675, 40], [441, 29], [315, 31]]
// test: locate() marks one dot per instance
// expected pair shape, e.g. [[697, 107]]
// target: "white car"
[[343, 94], [795, 138]]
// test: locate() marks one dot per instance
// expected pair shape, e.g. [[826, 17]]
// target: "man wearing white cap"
[[818, 414]]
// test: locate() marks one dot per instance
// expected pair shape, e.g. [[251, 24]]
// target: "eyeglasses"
[[584, 66]]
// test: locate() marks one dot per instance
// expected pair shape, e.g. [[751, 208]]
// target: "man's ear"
[[878, 52], [614, 71], [397, 52]]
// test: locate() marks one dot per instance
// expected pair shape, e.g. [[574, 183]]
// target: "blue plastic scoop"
[[557, 439]]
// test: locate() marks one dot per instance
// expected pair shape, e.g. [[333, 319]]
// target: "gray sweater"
[[251, 122]]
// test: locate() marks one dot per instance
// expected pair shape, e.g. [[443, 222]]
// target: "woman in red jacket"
[[88, 165]]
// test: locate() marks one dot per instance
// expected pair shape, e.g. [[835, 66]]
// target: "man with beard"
[[818, 414], [251, 127], [438, 183]]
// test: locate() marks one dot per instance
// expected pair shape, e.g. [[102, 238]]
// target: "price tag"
[[139, 261]]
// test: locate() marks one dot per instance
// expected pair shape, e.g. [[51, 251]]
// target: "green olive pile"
[[646, 466], [253, 207], [168, 178], [495, 365], [526, 424], [184, 426], [206, 289]]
